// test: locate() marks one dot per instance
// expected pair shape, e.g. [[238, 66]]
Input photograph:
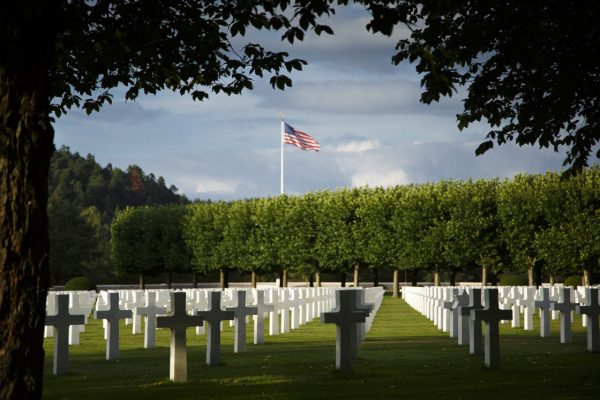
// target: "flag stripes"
[[300, 139]]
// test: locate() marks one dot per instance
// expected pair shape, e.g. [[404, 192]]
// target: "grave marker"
[[274, 315], [150, 312], [112, 317], [461, 301], [359, 332], [491, 315], [591, 309], [565, 307], [475, 339], [77, 309], [528, 301], [259, 318], [241, 311], [61, 322], [285, 305], [544, 305], [178, 323], [513, 299], [213, 317], [50, 310], [450, 307], [345, 316]]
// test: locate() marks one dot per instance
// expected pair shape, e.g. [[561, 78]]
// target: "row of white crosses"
[[295, 306], [460, 312]]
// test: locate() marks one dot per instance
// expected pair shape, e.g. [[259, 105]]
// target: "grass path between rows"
[[403, 357]]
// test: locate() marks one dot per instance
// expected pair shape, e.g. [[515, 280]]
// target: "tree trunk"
[[484, 277], [318, 278], [586, 277], [142, 281], [281, 278], [538, 275], [285, 277], [552, 279], [530, 277], [223, 276], [415, 277], [311, 280], [343, 280], [375, 277], [452, 277], [194, 279], [396, 285], [253, 279], [436, 277], [169, 279], [27, 40], [356, 272]]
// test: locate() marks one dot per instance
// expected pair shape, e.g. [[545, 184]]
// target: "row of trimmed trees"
[[531, 223]]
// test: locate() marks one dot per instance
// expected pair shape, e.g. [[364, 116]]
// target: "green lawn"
[[404, 357]]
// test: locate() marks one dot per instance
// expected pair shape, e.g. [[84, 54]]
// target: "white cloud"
[[358, 146], [384, 178], [214, 186], [199, 185]]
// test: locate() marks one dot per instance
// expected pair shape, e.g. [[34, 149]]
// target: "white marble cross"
[[200, 303], [565, 307], [137, 299], [491, 315], [178, 323], [150, 312], [450, 307], [213, 317], [461, 301], [241, 311], [112, 317], [361, 332], [305, 305], [77, 309], [61, 322], [544, 305], [475, 339], [259, 319], [513, 299], [345, 316], [285, 305], [294, 302], [592, 310], [50, 309], [274, 314], [528, 301]]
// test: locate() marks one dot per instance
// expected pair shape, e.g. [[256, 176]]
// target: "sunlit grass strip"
[[404, 356]]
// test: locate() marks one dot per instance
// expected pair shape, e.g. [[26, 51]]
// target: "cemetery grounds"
[[403, 357]]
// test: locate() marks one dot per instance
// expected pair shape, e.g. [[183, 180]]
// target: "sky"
[[364, 111]]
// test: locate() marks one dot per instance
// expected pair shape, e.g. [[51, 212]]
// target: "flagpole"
[[281, 115]]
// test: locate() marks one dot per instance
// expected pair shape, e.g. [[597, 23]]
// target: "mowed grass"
[[403, 357]]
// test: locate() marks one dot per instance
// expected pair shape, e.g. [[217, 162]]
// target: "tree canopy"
[[528, 68], [183, 46], [532, 224]]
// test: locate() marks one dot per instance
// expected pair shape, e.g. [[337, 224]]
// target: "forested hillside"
[[82, 200]]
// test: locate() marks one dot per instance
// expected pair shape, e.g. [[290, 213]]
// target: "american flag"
[[300, 139]]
